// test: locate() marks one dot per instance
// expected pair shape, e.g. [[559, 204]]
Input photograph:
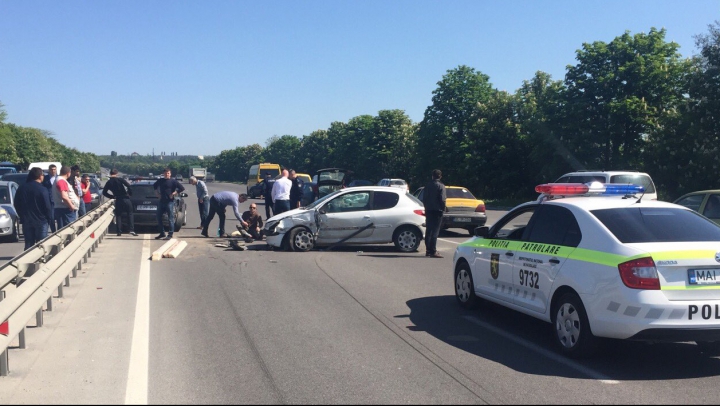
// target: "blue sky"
[[199, 77]]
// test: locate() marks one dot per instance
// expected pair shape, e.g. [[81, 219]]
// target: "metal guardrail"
[[41, 269]]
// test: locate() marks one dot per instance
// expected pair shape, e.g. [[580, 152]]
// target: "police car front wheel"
[[572, 329], [464, 287]]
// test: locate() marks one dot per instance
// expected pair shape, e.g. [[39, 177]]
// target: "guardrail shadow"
[[621, 360]]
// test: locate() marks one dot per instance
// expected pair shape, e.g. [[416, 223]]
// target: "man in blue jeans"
[[166, 188], [32, 203], [203, 198]]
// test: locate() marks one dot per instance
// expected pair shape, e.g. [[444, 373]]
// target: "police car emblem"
[[717, 256], [495, 265]]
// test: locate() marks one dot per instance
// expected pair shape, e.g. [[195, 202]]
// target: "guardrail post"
[[79, 265], [21, 338], [39, 318], [4, 363], [60, 290], [67, 280], [74, 272], [49, 303]]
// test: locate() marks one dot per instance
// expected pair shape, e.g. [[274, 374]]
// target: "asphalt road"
[[352, 325]]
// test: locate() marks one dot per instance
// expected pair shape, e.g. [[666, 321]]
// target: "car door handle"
[[366, 217], [509, 254], [554, 261]]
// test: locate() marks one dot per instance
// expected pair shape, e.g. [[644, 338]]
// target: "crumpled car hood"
[[297, 217]]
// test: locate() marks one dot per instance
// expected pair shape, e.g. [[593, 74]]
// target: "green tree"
[[617, 94], [442, 139], [283, 150]]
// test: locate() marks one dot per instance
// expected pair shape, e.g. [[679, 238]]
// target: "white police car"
[[599, 261]]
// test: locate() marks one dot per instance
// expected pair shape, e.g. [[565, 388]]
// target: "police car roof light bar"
[[575, 189]]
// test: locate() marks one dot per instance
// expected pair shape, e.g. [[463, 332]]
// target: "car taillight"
[[640, 274], [419, 212], [480, 208]]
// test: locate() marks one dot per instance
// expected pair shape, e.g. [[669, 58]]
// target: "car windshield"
[[462, 193], [640, 225], [397, 182], [322, 200], [144, 191]]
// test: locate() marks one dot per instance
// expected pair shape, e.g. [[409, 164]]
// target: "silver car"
[[9, 221], [357, 215]]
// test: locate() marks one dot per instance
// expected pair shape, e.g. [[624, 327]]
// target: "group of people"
[[166, 189], [282, 194], [51, 201]]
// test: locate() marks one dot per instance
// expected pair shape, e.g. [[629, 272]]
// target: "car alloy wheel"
[[567, 324], [464, 287], [407, 239], [301, 239]]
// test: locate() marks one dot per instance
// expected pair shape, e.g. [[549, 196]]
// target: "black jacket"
[[32, 203], [119, 187], [434, 196]]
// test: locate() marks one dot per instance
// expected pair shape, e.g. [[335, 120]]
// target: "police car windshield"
[[641, 225]]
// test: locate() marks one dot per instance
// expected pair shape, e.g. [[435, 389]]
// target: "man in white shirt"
[[281, 193]]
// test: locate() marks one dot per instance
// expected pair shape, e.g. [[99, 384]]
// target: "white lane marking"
[[454, 242], [546, 353], [136, 392]]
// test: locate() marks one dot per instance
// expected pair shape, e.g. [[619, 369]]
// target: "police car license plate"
[[462, 219], [143, 207], [704, 276]]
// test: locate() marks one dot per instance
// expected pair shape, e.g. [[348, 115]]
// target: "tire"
[[184, 222], [464, 287], [710, 348], [407, 239], [301, 240], [178, 224], [572, 334], [15, 236]]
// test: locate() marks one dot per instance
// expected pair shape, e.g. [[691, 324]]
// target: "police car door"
[[345, 215], [493, 264], [553, 234]]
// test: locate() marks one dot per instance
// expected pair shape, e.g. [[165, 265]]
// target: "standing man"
[[120, 189], [203, 198], [251, 224], [75, 180], [281, 193], [434, 200], [218, 202], [166, 188], [295, 190], [32, 202], [49, 182], [66, 200], [267, 194], [86, 195]]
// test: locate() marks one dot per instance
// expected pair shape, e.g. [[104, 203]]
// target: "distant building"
[[134, 154]]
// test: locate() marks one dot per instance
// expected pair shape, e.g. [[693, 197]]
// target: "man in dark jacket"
[[32, 203], [434, 200], [267, 194], [119, 189], [296, 191], [166, 188], [49, 182]]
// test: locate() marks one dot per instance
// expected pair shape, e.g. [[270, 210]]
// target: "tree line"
[[631, 104], [25, 145]]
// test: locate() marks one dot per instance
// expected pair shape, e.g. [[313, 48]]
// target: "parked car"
[[360, 182], [304, 177], [398, 183], [310, 193], [7, 169], [9, 221], [705, 202], [331, 179], [96, 194], [19, 178], [179, 177], [360, 215], [622, 177], [145, 203], [257, 190], [463, 210]]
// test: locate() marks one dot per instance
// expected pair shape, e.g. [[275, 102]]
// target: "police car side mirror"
[[482, 232]]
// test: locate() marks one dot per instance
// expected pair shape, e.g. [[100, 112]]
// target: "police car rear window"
[[640, 225]]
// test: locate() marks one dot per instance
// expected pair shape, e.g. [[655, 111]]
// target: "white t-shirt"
[[281, 189]]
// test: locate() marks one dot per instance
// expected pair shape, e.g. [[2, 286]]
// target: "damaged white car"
[[358, 215]]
